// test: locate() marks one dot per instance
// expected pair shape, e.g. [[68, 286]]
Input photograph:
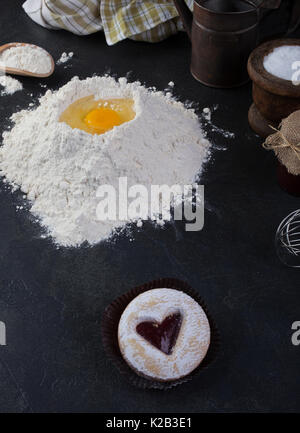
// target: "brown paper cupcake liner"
[[109, 328]]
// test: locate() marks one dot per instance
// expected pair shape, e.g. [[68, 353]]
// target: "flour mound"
[[60, 168]]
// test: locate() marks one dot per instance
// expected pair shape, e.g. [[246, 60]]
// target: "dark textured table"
[[51, 300]]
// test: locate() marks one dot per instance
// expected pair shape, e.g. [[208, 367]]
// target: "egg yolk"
[[102, 119], [98, 116]]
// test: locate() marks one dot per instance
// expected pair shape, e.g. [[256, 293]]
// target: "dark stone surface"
[[52, 299]]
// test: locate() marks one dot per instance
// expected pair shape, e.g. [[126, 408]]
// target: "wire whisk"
[[287, 240]]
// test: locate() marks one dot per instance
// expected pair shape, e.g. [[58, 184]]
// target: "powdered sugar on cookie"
[[192, 342]]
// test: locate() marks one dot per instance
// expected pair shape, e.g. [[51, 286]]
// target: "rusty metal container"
[[223, 33]]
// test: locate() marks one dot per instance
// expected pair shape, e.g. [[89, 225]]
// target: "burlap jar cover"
[[286, 143]]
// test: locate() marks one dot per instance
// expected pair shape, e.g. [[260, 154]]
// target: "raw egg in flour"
[[98, 117]]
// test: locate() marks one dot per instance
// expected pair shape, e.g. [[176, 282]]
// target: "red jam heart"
[[163, 335]]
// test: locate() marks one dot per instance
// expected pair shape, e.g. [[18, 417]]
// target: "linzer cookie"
[[160, 334], [164, 334]]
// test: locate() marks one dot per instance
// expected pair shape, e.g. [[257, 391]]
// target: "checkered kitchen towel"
[[148, 20]]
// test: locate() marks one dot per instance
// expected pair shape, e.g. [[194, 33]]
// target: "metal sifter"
[[287, 240]]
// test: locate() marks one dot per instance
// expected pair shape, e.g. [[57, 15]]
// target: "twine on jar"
[[279, 141]]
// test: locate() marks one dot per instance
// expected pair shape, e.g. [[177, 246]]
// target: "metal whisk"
[[287, 240]]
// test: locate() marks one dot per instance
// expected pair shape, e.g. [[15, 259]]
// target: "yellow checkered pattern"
[[149, 20], [143, 20]]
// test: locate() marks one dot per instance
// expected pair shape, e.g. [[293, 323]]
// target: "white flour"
[[64, 58], [60, 168], [280, 61], [10, 85], [207, 120], [27, 58]]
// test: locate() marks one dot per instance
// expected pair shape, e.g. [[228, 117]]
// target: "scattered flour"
[[207, 117], [60, 168], [65, 57], [10, 85], [280, 61], [207, 113], [27, 58]]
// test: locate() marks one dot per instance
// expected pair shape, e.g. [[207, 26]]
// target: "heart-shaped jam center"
[[162, 335]]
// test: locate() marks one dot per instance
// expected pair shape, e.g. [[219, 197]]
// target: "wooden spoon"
[[15, 71]]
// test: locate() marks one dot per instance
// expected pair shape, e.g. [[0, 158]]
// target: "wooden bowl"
[[274, 98]]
